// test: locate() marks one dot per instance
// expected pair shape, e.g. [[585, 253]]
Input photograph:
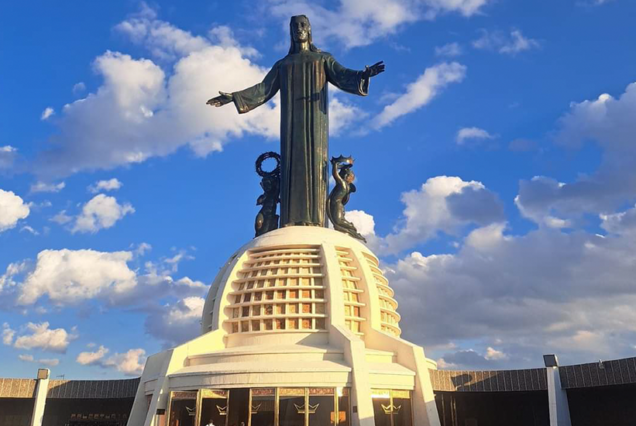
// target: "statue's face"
[[350, 177], [266, 184], [300, 29], [269, 184]]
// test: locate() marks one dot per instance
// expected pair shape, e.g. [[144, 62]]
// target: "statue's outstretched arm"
[[252, 97], [335, 169], [351, 81], [222, 99]]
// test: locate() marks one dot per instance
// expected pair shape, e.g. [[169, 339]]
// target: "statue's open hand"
[[374, 69], [222, 99]]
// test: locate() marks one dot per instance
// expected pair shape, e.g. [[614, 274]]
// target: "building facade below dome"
[[300, 328]]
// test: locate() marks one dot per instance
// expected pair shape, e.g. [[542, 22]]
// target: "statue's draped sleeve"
[[252, 97], [345, 79]]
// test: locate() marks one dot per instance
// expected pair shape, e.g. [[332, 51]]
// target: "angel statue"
[[339, 197], [267, 219]]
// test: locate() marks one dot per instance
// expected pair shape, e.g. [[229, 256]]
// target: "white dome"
[[294, 282], [304, 310]]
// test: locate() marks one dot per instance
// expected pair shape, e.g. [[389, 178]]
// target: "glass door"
[[263, 407], [321, 407], [401, 400], [392, 407], [183, 408], [343, 407], [291, 407], [214, 407], [239, 407]]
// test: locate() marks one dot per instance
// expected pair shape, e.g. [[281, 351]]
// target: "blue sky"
[[495, 162]]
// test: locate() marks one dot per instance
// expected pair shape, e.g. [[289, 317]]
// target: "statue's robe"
[[304, 127]]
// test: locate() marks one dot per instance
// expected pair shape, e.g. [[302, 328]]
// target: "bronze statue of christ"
[[302, 78]]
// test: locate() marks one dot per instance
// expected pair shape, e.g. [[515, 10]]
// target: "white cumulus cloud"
[[355, 23], [467, 133], [70, 276], [105, 185], [151, 107], [47, 113], [61, 218], [464, 7], [12, 209], [49, 362], [7, 334], [79, 88], [442, 204], [510, 44], [101, 212], [177, 323], [545, 291], [141, 110], [42, 337], [89, 358], [364, 222], [8, 280], [47, 187], [494, 354], [131, 363], [164, 40], [449, 49], [623, 222], [342, 115], [350, 23], [421, 92], [608, 122]]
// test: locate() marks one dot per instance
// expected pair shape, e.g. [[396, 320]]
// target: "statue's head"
[[270, 183], [300, 32], [347, 174]]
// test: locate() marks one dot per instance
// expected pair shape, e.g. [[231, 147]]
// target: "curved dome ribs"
[[279, 289], [350, 275], [389, 318]]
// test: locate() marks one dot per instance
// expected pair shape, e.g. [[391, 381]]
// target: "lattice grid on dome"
[[351, 292], [390, 319], [279, 289]]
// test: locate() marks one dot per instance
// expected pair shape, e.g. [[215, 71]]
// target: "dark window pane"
[[344, 410], [291, 407], [263, 406], [402, 409], [211, 412], [239, 407], [321, 410], [381, 409], [182, 412]]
